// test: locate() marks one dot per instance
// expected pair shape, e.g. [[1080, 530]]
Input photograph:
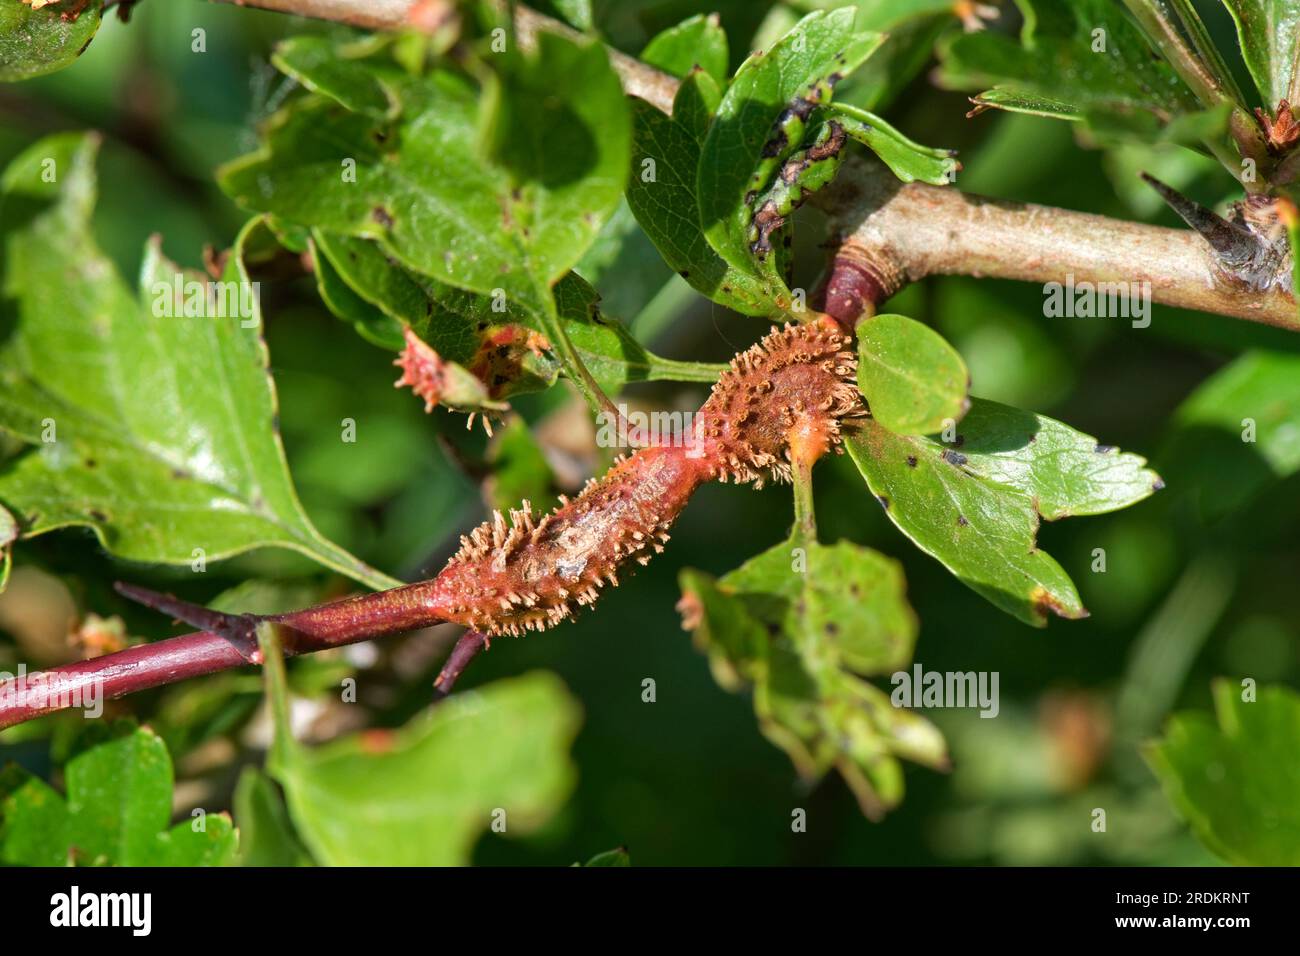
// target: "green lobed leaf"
[[477, 192], [319, 65], [266, 836], [371, 322], [607, 258], [908, 160], [460, 390], [663, 196], [776, 23], [1269, 34], [118, 805], [421, 795], [1054, 71], [36, 42], [159, 433], [975, 504], [891, 14], [797, 622], [1237, 782], [910, 28], [564, 187], [846, 609], [468, 329], [912, 379], [697, 42], [443, 316], [758, 125], [516, 220]]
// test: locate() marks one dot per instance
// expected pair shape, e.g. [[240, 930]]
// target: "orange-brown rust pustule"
[[797, 382], [527, 573]]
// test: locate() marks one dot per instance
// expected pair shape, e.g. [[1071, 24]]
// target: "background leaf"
[[1053, 70], [164, 425], [614, 858], [266, 836], [912, 379], [1269, 33], [908, 160], [1237, 784], [119, 802], [35, 42], [698, 41], [1238, 433], [519, 468], [421, 795], [319, 65], [975, 504], [470, 330], [666, 204], [1236, 436], [518, 222], [576, 12], [797, 622], [1263, 387]]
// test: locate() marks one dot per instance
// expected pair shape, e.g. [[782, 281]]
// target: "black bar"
[[332, 907]]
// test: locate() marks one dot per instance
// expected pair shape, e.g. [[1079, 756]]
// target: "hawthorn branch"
[[891, 234], [229, 642]]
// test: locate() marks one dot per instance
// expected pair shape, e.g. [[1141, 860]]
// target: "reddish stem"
[[206, 652], [115, 675], [466, 649]]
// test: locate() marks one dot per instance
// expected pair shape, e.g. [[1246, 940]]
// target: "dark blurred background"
[[1188, 593]]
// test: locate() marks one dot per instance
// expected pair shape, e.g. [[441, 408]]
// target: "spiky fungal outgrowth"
[[796, 385], [521, 573]]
